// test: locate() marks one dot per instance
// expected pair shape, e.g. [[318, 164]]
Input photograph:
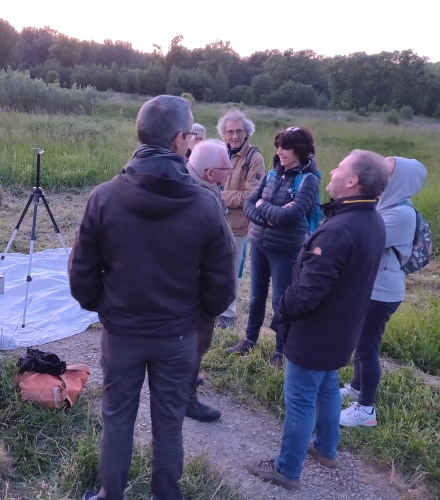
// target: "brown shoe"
[[265, 470], [326, 462], [241, 348]]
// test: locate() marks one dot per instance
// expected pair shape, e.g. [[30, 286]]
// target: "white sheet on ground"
[[52, 312]]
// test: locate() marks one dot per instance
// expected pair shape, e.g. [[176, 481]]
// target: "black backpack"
[[422, 245]]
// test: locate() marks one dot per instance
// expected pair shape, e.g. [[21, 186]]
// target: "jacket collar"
[[240, 150], [339, 205]]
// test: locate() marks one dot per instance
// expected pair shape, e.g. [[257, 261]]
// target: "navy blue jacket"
[[275, 227], [323, 309]]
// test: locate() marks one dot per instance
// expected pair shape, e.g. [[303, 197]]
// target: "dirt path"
[[242, 433]]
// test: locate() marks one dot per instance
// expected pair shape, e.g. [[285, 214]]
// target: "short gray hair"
[[372, 171], [199, 129], [162, 118], [208, 154], [235, 115]]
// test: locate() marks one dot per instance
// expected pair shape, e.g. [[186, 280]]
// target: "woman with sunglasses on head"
[[278, 211]]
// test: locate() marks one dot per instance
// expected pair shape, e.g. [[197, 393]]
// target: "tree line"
[[359, 81]]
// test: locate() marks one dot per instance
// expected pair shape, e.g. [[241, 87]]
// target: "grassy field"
[[83, 151]]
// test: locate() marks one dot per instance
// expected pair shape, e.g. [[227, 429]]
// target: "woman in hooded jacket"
[[278, 228], [406, 180]]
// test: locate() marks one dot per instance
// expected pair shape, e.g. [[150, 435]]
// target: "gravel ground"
[[243, 433]]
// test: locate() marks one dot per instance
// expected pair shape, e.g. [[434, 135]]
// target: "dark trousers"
[[367, 369], [205, 331], [170, 364], [267, 264]]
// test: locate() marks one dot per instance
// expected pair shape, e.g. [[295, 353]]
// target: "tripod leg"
[[36, 197], [55, 227], [17, 227]]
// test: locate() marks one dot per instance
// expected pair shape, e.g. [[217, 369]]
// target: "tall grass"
[[82, 150]]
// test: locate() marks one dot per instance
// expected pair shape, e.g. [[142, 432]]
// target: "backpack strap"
[[396, 252], [247, 164]]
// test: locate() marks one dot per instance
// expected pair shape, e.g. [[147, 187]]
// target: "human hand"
[[290, 204]]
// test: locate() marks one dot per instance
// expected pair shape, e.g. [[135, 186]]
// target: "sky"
[[329, 28]]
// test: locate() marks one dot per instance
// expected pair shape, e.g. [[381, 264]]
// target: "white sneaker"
[[347, 392], [356, 415]]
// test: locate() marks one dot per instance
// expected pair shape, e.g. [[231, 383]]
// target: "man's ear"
[[209, 176], [354, 181], [177, 142]]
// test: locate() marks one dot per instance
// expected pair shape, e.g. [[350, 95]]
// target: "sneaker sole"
[[370, 423]]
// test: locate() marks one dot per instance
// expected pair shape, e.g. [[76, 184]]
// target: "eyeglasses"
[[192, 135], [198, 139], [228, 169], [231, 133]]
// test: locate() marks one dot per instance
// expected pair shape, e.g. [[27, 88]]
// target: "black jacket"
[[274, 227], [153, 253], [323, 310]]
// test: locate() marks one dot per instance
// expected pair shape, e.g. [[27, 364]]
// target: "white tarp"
[[52, 312]]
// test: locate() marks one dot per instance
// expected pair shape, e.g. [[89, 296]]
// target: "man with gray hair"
[[200, 135], [248, 171], [153, 257], [210, 167], [321, 315]]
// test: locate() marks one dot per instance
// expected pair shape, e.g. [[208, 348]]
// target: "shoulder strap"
[[246, 165]]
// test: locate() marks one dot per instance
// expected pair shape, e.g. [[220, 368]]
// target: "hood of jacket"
[[155, 182], [406, 181]]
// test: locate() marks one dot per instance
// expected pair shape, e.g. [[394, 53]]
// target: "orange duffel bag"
[[55, 391]]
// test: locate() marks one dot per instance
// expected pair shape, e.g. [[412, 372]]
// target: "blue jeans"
[[313, 400], [266, 264]]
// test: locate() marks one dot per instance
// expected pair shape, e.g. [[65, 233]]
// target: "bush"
[[406, 113], [351, 117], [20, 93], [322, 102], [190, 97], [437, 112], [392, 117], [291, 95]]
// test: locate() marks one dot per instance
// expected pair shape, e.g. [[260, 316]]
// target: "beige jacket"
[[239, 186]]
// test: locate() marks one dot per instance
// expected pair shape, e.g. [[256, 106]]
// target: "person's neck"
[[292, 165]]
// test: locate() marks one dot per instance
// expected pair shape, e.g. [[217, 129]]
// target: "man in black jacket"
[[153, 257], [322, 312]]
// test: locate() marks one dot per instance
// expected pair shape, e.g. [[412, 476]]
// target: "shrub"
[[351, 117], [19, 92], [406, 113], [322, 102], [392, 117], [190, 97], [437, 112], [373, 107], [291, 95]]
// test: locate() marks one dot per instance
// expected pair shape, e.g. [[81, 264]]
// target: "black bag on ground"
[[41, 362]]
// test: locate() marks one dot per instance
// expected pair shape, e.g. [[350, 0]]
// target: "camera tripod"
[[37, 194]]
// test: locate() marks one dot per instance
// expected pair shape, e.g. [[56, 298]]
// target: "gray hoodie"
[[400, 224]]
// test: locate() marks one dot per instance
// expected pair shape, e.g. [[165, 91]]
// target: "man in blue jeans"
[[321, 315]]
